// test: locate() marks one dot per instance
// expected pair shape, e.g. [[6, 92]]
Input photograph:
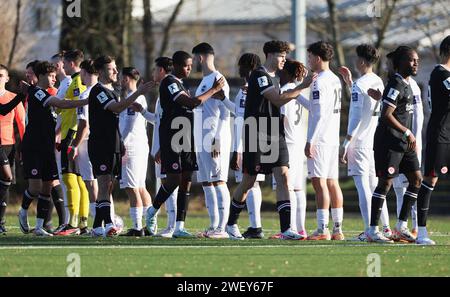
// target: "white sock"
[[401, 225], [300, 196], [211, 206], [144, 211], [136, 217], [364, 189], [415, 224], [373, 229], [323, 218], [113, 212], [384, 215], [337, 215], [423, 233], [223, 203], [66, 207], [39, 223], [92, 206], [179, 225], [293, 200], [399, 193], [254, 201], [171, 208]]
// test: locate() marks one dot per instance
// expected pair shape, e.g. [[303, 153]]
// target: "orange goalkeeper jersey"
[[7, 121]]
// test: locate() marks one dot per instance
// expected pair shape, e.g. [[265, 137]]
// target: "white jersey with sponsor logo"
[[364, 111], [83, 111], [155, 139], [132, 125], [325, 110], [63, 87], [292, 112], [418, 116]]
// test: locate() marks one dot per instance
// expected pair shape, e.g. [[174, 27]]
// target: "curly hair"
[[276, 46], [295, 68], [43, 68]]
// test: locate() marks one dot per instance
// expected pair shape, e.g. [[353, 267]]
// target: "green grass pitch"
[[26, 255]]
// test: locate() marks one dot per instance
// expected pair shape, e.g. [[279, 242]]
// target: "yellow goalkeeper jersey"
[[69, 116]]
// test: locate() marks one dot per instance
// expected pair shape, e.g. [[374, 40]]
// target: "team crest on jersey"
[[34, 172], [173, 88], [316, 95], [80, 110], [444, 170], [263, 81], [102, 97], [242, 103], [391, 170], [130, 111], [39, 95], [257, 168], [103, 167], [175, 166], [76, 92], [393, 94], [447, 83], [354, 97]]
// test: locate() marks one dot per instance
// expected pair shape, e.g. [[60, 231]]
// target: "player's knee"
[[384, 185]]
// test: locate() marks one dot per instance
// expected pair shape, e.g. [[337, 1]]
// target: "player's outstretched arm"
[[66, 104], [279, 100], [192, 102], [144, 88]]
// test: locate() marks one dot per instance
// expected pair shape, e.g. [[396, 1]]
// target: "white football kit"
[[133, 129], [212, 121], [82, 160], [323, 126]]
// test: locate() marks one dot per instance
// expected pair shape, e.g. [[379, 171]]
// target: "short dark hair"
[[43, 68], [32, 64], [132, 73], [59, 55], [88, 65], [295, 68], [180, 57], [75, 56], [367, 52], [398, 54], [101, 61], [276, 46], [203, 48], [250, 61], [444, 48], [322, 49], [165, 63], [3, 67]]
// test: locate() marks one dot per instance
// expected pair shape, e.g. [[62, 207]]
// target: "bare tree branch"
[[16, 33], [148, 37], [166, 33]]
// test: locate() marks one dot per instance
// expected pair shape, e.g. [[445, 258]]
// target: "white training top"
[[132, 125], [83, 111], [325, 110], [418, 116], [364, 111], [292, 112], [239, 103], [63, 87], [155, 140]]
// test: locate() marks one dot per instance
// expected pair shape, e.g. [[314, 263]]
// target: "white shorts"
[[158, 171], [134, 166], [212, 169], [360, 161], [324, 163], [83, 163], [295, 168], [400, 181]]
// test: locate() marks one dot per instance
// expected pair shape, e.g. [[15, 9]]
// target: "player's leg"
[[211, 206], [183, 205], [136, 212], [253, 202], [337, 208], [5, 182], [58, 202], [223, 203], [43, 204]]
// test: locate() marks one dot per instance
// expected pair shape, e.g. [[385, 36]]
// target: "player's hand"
[[58, 146], [158, 157], [346, 75], [215, 148], [308, 150], [220, 95], [343, 155], [218, 84], [136, 107], [375, 94], [411, 142], [244, 89], [235, 160], [72, 153], [307, 81], [144, 88]]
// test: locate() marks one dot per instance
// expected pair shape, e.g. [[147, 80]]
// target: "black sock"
[[423, 204], [235, 210], [43, 206], [104, 207], [409, 199], [4, 185], [182, 205], [58, 201], [284, 210], [378, 200], [162, 196], [27, 199], [48, 219], [98, 220]]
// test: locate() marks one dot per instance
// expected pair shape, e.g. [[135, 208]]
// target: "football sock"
[[182, 205], [414, 221], [4, 185], [42, 209], [399, 193], [378, 199], [179, 225], [409, 199], [223, 201], [84, 199], [337, 214], [48, 219], [284, 210], [171, 208], [73, 197], [384, 217], [212, 206], [27, 199], [293, 201], [254, 201], [58, 201], [300, 196], [323, 218], [104, 209], [423, 204], [235, 210], [161, 197], [136, 217], [92, 209], [364, 190], [98, 218]]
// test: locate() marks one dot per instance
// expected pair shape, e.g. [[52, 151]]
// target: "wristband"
[[407, 133]]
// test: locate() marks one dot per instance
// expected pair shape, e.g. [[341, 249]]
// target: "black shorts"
[[390, 163], [437, 160], [106, 164], [177, 160], [253, 163], [67, 166], [5, 154], [40, 165]]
